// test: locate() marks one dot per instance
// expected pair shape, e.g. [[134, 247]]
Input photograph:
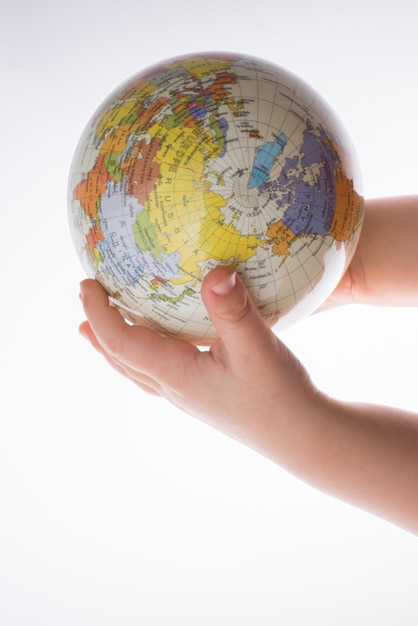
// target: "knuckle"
[[238, 310], [116, 344]]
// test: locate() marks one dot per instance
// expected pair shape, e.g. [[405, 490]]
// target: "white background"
[[116, 509]]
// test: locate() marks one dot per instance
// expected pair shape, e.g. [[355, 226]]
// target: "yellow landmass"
[[234, 105], [219, 178], [187, 213], [114, 115], [223, 241], [200, 67]]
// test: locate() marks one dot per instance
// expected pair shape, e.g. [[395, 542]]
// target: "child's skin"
[[251, 387]]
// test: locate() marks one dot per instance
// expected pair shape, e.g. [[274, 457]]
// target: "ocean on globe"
[[214, 159]]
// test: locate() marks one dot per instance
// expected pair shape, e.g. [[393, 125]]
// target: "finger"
[[145, 382], [140, 349], [86, 331], [105, 326], [240, 326]]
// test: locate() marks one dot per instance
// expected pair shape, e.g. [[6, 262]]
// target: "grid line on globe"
[[214, 159]]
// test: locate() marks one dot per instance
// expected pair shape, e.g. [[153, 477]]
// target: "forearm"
[[363, 454], [384, 269], [366, 455]]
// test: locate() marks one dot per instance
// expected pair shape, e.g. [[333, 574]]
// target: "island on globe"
[[214, 159]]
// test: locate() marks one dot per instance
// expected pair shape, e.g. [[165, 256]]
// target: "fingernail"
[[225, 285]]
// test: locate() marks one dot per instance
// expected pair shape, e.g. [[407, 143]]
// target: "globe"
[[214, 159]]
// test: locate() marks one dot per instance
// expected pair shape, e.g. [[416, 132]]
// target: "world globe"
[[214, 159]]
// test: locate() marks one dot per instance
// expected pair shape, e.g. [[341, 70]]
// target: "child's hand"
[[248, 384], [383, 270], [251, 387]]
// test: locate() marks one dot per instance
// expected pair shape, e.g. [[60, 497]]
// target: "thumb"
[[234, 315]]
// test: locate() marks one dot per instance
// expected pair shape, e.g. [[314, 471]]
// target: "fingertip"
[[84, 285], [88, 284], [225, 286], [85, 329], [93, 295], [219, 282]]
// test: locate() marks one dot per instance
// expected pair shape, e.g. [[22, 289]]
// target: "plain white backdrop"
[[115, 508]]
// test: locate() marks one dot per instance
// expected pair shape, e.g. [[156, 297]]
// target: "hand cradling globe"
[[214, 159]]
